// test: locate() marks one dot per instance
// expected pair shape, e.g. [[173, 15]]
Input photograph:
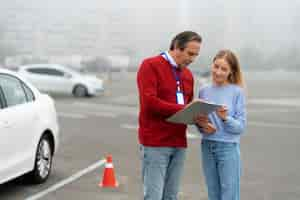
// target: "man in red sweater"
[[165, 86]]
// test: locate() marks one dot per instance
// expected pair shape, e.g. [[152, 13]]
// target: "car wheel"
[[80, 91], [43, 161]]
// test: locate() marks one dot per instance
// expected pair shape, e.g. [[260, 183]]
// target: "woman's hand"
[[222, 112], [201, 120], [209, 128]]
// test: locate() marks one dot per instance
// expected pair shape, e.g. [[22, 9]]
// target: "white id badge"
[[179, 96]]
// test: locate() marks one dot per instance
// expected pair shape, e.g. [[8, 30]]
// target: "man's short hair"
[[181, 39]]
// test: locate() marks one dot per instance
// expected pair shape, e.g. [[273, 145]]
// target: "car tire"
[[43, 161], [80, 91]]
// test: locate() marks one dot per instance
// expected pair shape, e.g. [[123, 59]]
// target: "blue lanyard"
[[177, 78]]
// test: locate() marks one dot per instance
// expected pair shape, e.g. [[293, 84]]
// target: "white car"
[[60, 79], [29, 132]]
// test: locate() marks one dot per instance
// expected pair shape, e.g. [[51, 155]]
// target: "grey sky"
[[144, 28]]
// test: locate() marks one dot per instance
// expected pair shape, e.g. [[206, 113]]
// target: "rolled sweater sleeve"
[[147, 86], [236, 124]]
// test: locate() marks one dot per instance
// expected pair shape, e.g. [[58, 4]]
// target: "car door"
[[39, 77], [18, 121], [60, 80]]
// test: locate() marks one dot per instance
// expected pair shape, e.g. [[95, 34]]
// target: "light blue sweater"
[[234, 98]]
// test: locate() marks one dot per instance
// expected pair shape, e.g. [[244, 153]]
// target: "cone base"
[[109, 186]]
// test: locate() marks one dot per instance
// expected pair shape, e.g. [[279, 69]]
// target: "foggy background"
[[263, 33], [114, 36]]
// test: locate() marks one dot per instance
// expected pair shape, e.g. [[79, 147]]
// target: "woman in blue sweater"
[[222, 129]]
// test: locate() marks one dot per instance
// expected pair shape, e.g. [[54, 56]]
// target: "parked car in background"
[[60, 79], [29, 132]]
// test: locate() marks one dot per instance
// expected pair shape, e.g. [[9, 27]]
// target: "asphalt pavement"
[[92, 128]]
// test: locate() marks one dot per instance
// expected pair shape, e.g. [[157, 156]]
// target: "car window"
[[12, 90], [28, 92], [35, 70], [46, 71]]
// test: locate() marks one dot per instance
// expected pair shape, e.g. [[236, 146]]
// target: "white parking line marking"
[[295, 102], [102, 114], [273, 125], [90, 105], [71, 115], [86, 115], [129, 126], [68, 180], [103, 106], [263, 111]]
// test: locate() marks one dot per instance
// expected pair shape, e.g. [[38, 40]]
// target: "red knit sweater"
[[157, 95]]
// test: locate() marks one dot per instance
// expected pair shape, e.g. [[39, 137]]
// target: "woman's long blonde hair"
[[236, 76]]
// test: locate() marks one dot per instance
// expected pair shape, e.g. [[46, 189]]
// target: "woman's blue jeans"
[[222, 169], [161, 171]]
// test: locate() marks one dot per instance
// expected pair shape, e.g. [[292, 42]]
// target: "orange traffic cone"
[[109, 179]]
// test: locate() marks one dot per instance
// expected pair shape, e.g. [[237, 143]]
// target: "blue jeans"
[[161, 171], [222, 170]]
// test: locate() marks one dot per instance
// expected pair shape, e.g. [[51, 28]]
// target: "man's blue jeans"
[[221, 167], [161, 171]]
